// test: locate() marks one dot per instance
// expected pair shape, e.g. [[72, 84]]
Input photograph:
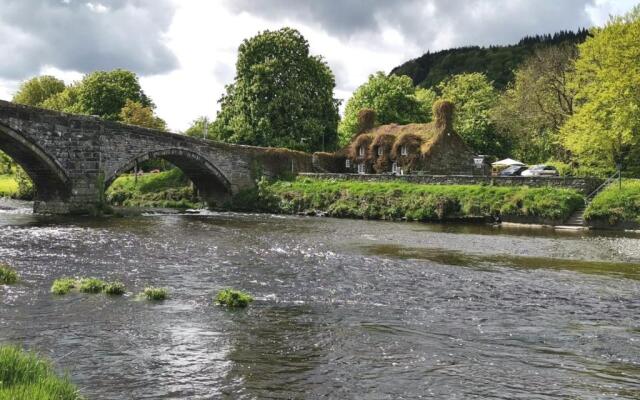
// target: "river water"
[[344, 309]]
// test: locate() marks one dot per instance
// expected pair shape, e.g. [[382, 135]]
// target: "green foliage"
[[169, 189], [24, 375], [65, 101], [418, 202], [197, 128], [281, 96], [8, 186], [605, 127], [36, 91], [63, 285], [497, 62], [474, 97], [154, 293], [26, 189], [616, 205], [91, 285], [6, 163], [394, 100], [8, 275], [134, 113], [233, 298], [114, 288], [537, 103]]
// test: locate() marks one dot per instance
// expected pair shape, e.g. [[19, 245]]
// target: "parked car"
[[514, 170], [541, 170]]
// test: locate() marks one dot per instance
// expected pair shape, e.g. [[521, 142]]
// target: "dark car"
[[514, 170]]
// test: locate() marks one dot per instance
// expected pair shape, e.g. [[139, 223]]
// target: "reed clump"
[[155, 293], [8, 275], [91, 285], [233, 298], [63, 286]]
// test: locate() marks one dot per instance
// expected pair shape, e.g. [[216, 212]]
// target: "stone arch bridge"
[[72, 159]]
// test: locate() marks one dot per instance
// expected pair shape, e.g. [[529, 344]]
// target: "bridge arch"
[[50, 180], [213, 186]]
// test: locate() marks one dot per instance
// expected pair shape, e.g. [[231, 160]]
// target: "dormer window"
[[380, 150], [403, 150], [361, 151], [347, 163]]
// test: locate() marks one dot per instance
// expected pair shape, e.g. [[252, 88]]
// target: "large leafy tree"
[[134, 113], [393, 98], [538, 102], [474, 97], [36, 91], [605, 126], [282, 96]]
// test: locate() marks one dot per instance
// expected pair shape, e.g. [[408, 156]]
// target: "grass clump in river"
[[167, 189], [154, 293], [63, 285], [8, 275], [114, 288], [24, 375], [91, 285], [616, 204], [413, 201], [87, 285], [233, 298]]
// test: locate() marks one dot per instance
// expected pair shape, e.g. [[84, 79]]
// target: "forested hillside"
[[496, 62]]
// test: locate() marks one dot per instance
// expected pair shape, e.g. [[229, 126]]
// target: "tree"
[[474, 97], [394, 100], [65, 101], [36, 91], [537, 103], [281, 96], [605, 126], [134, 113], [197, 128]]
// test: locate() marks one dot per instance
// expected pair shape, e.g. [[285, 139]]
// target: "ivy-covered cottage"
[[433, 148]]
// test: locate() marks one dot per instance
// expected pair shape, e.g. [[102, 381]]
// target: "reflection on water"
[[344, 309]]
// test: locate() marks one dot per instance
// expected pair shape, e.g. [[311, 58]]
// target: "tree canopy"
[[394, 100], [282, 96], [134, 113], [35, 91]]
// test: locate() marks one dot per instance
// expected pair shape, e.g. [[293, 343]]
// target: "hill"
[[496, 62]]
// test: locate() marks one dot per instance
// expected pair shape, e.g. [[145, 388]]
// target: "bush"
[[63, 286], [25, 376], [114, 288], [91, 285], [616, 205], [233, 298], [8, 275], [154, 293]]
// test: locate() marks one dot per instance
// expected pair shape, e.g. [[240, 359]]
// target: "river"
[[344, 308]]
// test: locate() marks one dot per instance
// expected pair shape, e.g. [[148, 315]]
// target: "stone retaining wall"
[[583, 185]]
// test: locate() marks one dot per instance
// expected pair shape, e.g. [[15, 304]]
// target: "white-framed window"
[[403, 150], [394, 167], [361, 151], [361, 169], [380, 150], [347, 163]]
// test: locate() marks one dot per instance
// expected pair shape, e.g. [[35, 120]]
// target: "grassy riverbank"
[[8, 186], [169, 189], [616, 205], [414, 202], [25, 375]]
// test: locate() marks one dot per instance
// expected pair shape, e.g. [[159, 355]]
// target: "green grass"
[[63, 285], [168, 189], [154, 293], [8, 186], [616, 205], [114, 288], [233, 298], [8, 275], [91, 285], [25, 376], [415, 202]]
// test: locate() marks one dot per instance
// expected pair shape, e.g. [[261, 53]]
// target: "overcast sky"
[[185, 50]]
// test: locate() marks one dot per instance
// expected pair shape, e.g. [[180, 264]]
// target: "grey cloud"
[[84, 36], [423, 22]]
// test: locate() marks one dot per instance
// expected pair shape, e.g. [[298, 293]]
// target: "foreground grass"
[[154, 293], [169, 189], [8, 275], [25, 376], [233, 298], [63, 286], [415, 202], [616, 205], [8, 186]]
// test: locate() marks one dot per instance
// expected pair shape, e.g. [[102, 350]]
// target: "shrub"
[[233, 298], [114, 288], [91, 285], [63, 285], [154, 293], [24, 375], [616, 205], [8, 275]]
